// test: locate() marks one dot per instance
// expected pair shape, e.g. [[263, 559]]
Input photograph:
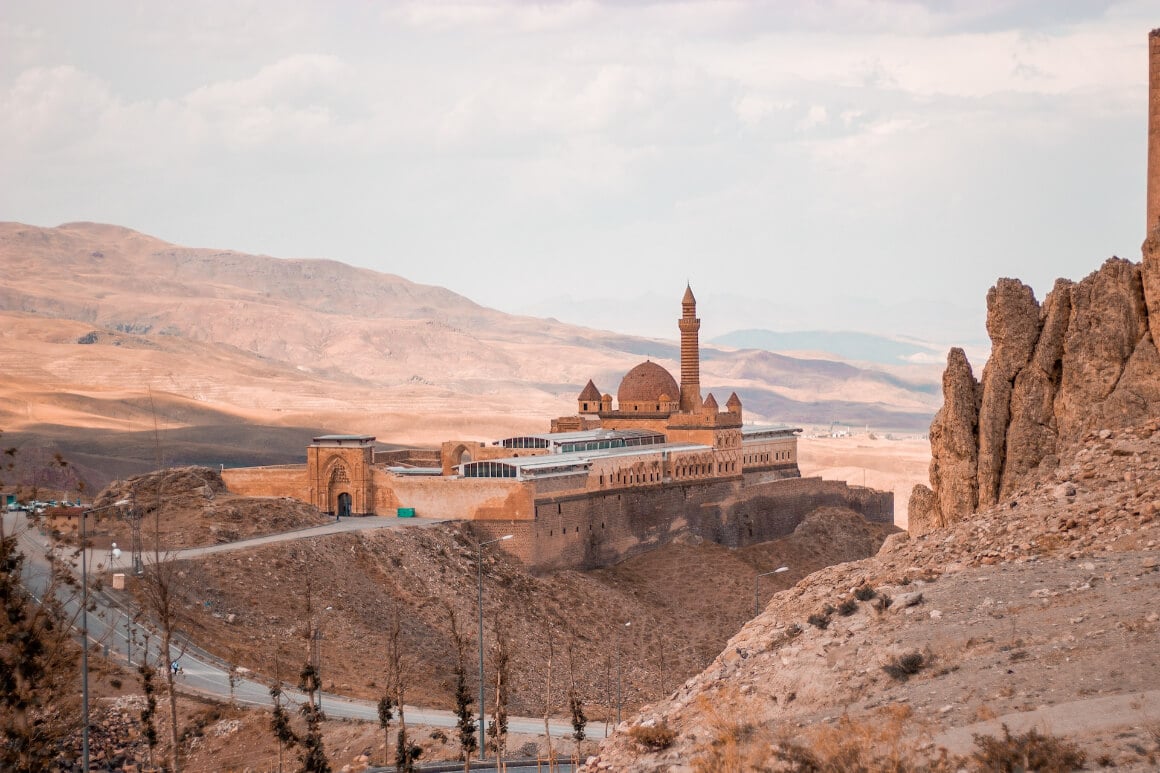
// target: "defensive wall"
[[283, 480], [593, 529], [433, 496]]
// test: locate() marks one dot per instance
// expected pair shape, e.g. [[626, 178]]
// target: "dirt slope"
[[683, 602], [1045, 600]]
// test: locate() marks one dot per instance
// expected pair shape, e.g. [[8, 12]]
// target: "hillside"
[[1038, 612], [683, 600], [1022, 598], [103, 328]]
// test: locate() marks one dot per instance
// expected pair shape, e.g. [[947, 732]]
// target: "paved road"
[[365, 523], [114, 632]]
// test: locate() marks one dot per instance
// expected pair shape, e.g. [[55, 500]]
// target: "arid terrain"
[[125, 353], [1038, 613]]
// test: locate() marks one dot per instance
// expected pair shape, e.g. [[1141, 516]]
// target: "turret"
[[733, 404], [589, 400], [690, 327]]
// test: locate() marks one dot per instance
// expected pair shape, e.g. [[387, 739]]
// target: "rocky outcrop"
[[1085, 359], [1013, 325], [954, 460]]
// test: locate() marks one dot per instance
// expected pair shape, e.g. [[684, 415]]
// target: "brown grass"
[[1030, 751], [735, 742], [655, 737], [885, 743]]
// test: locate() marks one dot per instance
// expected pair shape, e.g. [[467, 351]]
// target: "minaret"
[[690, 353], [1153, 131]]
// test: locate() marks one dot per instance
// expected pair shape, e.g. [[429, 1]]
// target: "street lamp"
[[757, 582], [479, 574], [85, 630], [619, 680], [316, 655]]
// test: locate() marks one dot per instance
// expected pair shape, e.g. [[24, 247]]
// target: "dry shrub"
[[847, 607], [654, 737], [735, 743], [882, 744], [864, 592], [903, 667], [1029, 751]]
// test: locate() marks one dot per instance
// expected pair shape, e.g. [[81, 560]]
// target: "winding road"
[[115, 630]]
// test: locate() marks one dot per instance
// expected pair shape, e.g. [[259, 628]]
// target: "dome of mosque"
[[646, 383]]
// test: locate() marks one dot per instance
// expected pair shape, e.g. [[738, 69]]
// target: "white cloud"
[[660, 137]]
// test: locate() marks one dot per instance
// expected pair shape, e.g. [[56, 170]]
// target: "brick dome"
[[646, 383]]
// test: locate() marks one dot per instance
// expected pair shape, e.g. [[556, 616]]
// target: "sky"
[[842, 165]]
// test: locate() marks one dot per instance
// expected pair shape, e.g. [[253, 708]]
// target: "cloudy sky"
[[846, 165]]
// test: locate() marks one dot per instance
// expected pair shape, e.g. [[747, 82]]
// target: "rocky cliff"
[[1084, 359]]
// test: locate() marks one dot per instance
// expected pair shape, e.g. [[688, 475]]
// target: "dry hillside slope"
[[247, 606], [1039, 612], [1024, 595], [95, 318]]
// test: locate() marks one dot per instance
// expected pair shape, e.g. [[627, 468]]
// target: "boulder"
[[923, 514]]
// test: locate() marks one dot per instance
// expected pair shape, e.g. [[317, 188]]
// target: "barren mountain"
[[103, 328]]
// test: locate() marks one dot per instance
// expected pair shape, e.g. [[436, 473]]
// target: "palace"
[[602, 484]]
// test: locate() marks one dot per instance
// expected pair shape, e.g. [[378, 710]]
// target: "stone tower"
[[1153, 131], [690, 353]]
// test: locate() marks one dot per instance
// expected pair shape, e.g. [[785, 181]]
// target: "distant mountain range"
[[106, 332], [856, 347]]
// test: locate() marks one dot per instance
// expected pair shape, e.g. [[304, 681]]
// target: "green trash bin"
[[406, 512]]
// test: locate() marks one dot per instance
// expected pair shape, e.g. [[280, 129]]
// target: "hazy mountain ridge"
[[845, 344]]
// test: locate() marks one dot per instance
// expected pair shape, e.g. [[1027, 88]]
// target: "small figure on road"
[[177, 669]]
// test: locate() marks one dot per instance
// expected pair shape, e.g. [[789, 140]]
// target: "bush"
[[1030, 751], [847, 607], [882, 744], [905, 666], [653, 737], [864, 592], [882, 603], [821, 618]]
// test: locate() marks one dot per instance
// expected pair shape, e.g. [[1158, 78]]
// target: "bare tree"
[[159, 585], [313, 754], [465, 725], [498, 727], [548, 702], [406, 752], [386, 714], [280, 719], [147, 670], [575, 705]]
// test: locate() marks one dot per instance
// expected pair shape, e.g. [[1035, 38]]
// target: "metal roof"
[[559, 438], [572, 463], [755, 431]]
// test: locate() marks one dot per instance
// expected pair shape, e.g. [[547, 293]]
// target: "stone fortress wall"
[[595, 529], [603, 485]]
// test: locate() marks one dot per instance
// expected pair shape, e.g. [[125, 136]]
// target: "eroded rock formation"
[[1084, 360]]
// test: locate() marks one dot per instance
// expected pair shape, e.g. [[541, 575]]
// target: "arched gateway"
[[339, 470]]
